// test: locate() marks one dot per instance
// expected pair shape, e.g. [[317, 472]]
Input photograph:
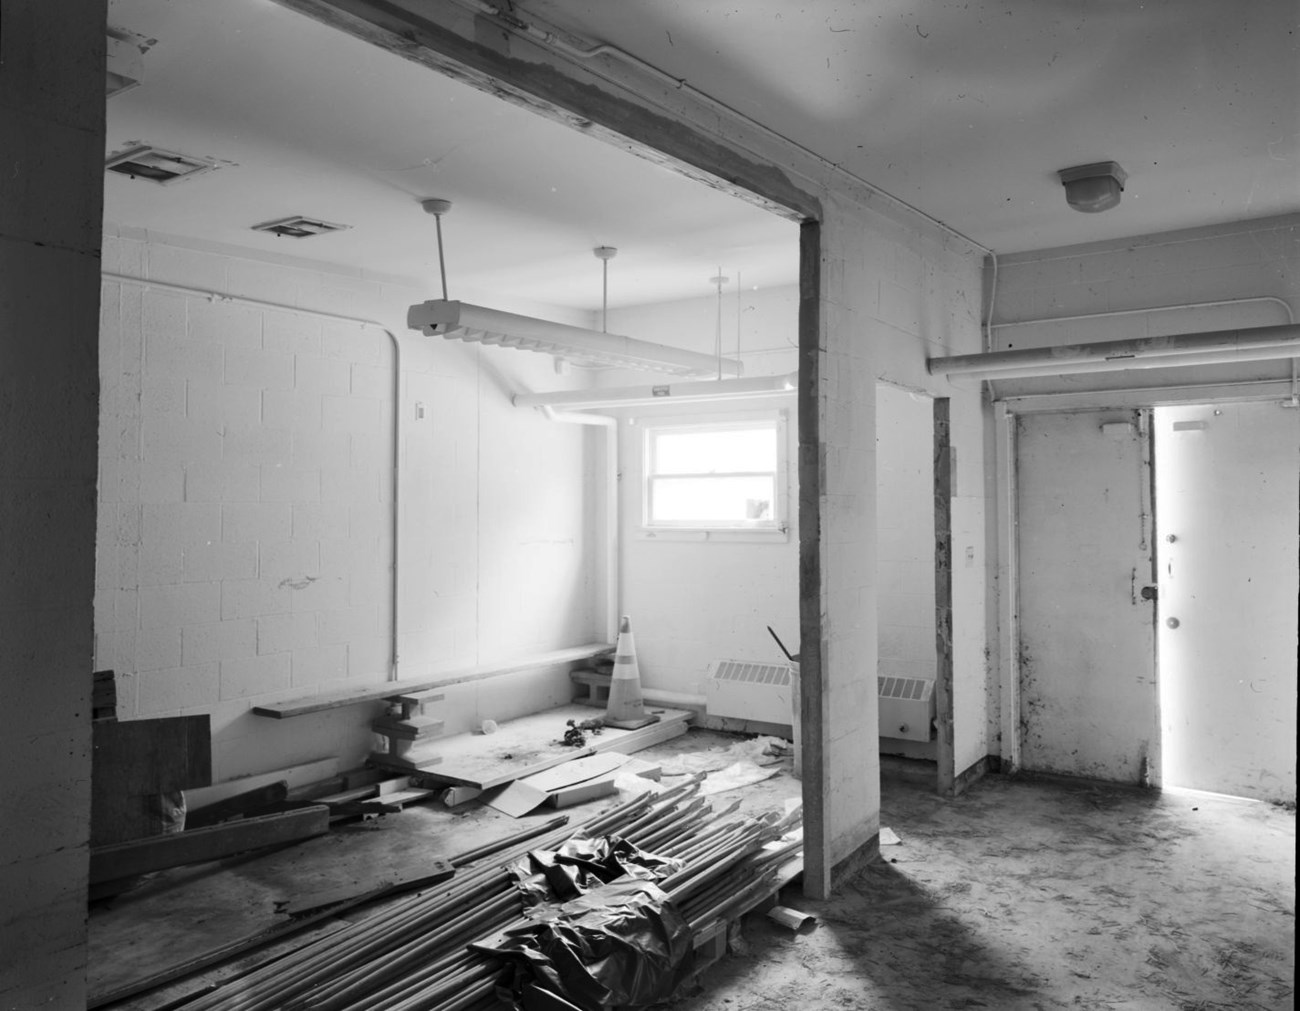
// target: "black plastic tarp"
[[580, 865], [622, 944]]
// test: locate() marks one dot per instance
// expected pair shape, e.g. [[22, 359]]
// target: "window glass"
[[722, 475]]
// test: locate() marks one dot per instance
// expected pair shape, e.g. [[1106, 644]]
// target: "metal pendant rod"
[[438, 208]]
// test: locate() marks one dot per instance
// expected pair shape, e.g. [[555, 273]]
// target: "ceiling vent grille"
[[299, 227], [158, 165]]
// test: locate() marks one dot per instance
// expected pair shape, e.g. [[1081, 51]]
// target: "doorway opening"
[[1157, 582], [906, 529], [1226, 484]]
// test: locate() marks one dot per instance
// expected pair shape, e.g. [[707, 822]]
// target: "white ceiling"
[[963, 108]]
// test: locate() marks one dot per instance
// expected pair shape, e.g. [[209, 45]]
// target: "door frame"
[[1007, 511]]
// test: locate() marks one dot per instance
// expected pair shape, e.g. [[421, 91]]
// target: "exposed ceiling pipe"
[[642, 396], [1211, 348]]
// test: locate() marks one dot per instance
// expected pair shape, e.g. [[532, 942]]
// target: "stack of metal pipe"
[[413, 954]]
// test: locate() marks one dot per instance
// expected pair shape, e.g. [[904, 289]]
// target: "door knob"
[[1172, 622], [1148, 593]]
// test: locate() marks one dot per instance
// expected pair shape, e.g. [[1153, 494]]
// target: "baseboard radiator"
[[762, 692], [906, 707]]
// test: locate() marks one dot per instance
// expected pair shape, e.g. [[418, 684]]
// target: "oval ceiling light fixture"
[[1093, 188]]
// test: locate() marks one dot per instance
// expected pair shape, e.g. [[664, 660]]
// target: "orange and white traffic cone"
[[626, 708]]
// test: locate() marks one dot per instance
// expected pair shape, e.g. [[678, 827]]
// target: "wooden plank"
[[240, 804], [579, 793], [294, 776], [576, 771], [516, 799], [602, 786], [301, 705], [308, 902], [136, 762], [178, 848], [529, 745]]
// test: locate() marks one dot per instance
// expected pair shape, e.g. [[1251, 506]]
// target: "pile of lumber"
[[415, 953]]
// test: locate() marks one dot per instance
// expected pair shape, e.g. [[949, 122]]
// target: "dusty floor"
[[1019, 894], [1033, 894]]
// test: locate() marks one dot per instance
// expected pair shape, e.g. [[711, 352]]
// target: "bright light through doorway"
[[1226, 504]]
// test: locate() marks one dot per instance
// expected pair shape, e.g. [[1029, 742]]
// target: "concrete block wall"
[[52, 136], [905, 529], [246, 524], [1253, 259], [921, 289], [693, 602]]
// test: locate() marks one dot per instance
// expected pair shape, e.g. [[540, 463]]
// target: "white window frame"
[[775, 528]]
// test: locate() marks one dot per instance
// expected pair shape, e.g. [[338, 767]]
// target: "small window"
[[716, 475]]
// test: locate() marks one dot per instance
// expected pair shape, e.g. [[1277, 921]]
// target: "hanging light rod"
[[577, 345], [583, 347]]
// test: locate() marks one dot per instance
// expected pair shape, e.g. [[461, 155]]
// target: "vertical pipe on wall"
[[612, 568], [1008, 580]]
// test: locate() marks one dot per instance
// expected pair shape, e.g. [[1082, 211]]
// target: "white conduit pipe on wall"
[[257, 303], [1215, 347], [612, 568]]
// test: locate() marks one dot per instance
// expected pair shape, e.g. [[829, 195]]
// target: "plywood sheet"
[[136, 762], [294, 776], [529, 745], [577, 771]]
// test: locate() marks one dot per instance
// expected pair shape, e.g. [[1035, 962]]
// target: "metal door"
[[1228, 488], [1088, 694]]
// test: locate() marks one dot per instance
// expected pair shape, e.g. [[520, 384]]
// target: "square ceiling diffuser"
[[299, 227], [144, 161]]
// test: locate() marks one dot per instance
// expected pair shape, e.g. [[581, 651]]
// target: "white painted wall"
[[246, 520], [924, 292], [1252, 267], [1241, 275], [52, 135], [692, 602], [905, 529], [893, 295]]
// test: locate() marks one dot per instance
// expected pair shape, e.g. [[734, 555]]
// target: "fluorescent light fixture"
[[676, 393], [578, 345]]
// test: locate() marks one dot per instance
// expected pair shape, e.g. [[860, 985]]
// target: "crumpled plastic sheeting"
[[624, 944], [759, 750], [582, 864]]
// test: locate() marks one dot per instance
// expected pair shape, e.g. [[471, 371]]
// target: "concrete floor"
[[1038, 894], [1020, 894]]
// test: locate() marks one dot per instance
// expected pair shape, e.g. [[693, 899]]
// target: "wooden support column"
[[816, 826], [945, 479]]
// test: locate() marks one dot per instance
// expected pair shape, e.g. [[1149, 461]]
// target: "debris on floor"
[[669, 864], [792, 918], [736, 775], [888, 837], [759, 750]]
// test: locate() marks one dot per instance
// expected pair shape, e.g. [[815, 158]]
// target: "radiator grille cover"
[[751, 691], [753, 673], [906, 707], [911, 689]]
